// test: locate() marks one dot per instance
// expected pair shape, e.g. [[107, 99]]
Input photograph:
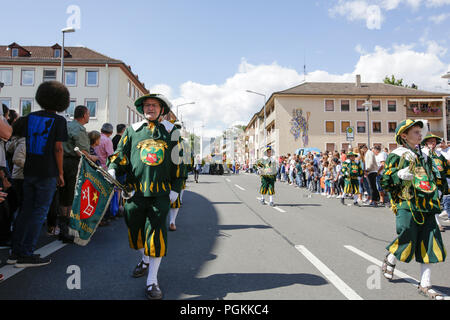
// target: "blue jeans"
[[446, 201], [37, 197]]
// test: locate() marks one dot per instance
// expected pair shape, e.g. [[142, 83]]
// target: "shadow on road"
[[191, 247]]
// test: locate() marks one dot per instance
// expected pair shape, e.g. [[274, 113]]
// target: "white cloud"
[[439, 18], [437, 3], [219, 106]]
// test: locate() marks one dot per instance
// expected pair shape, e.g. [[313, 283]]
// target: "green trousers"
[[146, 219], [267, 185], [423, 241]]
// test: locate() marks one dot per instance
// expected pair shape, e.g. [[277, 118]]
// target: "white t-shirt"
[[381, 157]]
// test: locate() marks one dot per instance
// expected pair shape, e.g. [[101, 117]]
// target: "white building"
[[106, 86]]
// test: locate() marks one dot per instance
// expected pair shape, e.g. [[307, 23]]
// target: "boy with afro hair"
[[45, 132]]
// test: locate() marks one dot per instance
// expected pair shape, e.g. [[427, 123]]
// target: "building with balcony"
[[318, 114], [108, 87]]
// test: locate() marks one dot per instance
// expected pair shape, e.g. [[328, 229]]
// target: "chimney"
[[358, 81]]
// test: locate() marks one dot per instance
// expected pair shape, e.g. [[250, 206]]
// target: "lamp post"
[[183, 105], [368, 105], [265, 129], [64, 31]]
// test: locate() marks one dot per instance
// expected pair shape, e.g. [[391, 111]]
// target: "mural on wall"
[[300, 125]]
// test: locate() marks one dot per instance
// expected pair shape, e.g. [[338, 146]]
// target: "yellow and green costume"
[[351, 171], [144, 154], [415, 204], [267, 170]]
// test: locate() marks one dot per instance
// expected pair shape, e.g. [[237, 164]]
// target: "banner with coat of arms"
[[92, 197]]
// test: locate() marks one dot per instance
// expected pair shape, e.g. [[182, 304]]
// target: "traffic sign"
[[350, 134]]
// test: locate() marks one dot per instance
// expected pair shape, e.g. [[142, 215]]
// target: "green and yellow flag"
[[92, 197]]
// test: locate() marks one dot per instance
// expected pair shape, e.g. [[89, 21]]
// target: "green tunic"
[[414, 203], [148, 162], [351, 171], [440, 164]]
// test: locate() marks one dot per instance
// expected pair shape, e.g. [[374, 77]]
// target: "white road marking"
[[9, 270], [239, 187], [228, 180], [276, 208], [397, 273], [348, 292]]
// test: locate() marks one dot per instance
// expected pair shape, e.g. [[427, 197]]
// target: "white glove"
[[173, 196], [440, 193], [130, 195], [405, 174], [112, 172]]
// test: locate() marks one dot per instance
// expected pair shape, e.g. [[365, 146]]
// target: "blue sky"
[[204, 49]]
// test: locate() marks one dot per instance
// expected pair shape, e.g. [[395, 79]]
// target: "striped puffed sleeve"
[[177, 161], [389, 179]]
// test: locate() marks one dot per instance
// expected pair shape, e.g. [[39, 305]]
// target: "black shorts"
[[66, 193]]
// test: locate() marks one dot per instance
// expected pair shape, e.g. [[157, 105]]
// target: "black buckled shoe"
[[140, 270], [154, 292]]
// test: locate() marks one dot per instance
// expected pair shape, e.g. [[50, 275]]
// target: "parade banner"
[[93, 194]]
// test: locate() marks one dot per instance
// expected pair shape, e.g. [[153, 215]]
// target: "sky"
[[210, 52]]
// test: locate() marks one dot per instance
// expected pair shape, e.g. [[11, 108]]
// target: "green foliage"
[[398, 82]]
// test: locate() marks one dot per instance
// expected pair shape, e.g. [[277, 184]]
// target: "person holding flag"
[[410, 179], [148, 153]]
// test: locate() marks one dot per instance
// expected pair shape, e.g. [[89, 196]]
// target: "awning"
[[426, 100]]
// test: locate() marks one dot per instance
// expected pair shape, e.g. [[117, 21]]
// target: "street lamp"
[[265, 131], [183, 105], [368, 105], [64, 31]]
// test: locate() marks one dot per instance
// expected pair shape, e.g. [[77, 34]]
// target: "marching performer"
[[440, 166], [145, 154], [351, 171], [412, 183], [267, 169], [176, 205]]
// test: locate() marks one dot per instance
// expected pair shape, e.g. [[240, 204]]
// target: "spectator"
[[105, 148], [43, 172], [372, 172], [381, 159], [77, 137], [94, 141], [13, 116], [120, 130]]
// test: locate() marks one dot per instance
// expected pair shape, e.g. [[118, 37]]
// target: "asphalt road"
[[229, 246]]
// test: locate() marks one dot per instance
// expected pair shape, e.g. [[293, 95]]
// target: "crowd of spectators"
[[38, 171]]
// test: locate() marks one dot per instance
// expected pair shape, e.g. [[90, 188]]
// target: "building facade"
[[106, 86], [318, 115]]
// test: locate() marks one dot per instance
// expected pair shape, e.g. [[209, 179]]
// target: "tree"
[[398, 82]]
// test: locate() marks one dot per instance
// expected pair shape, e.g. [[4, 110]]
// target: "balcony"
[[425, 110]]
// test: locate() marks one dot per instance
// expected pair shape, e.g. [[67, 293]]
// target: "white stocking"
[[153, 268], [425, 275], [271, 198], [173, 215], [144, 257]]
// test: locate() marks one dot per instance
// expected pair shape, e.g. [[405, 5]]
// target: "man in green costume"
[[147, 154], [440, 166], [351, 171], [412, 183], [267, 169]]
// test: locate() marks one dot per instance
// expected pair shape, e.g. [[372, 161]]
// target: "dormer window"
[[57, 53], [14, 52]]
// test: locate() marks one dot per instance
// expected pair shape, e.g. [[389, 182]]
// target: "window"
[[376, 106], [57, 53], [329, 105], [376, 127], [345, 105], [361, 127], [329, 127], [26, 105], [6, 102], [129, 88], [71, 109], [331, 147], [49, 75], [359, 105], [14, 52], [91, 78], [91, 104], [6, 76], [344, 126], [134, 93], [392, 125], [70, 78], [128, 115], [346, 147], [392, 106], [27, 77]]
